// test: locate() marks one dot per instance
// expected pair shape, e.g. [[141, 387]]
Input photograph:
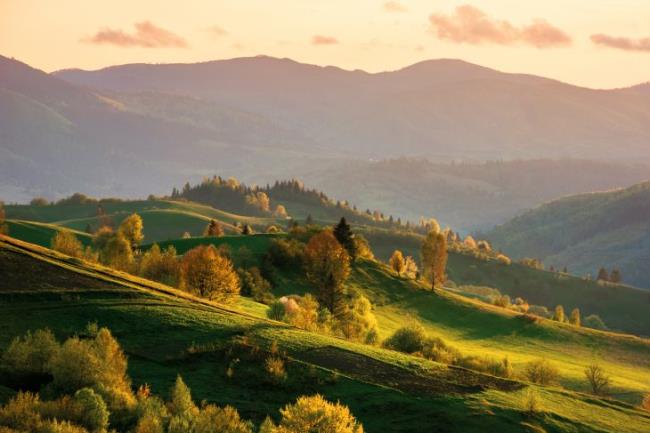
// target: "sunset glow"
[[599, 43]]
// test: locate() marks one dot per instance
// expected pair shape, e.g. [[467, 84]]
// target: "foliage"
[[595, 322], [131, 229], [67, 243], [345, 237], [531, 403], [574, 317], [31, 354], [357, 322], [254, 285], [274, 366], [327, 266], [94, 413], [397, 262], [434, 258], [407, 339], [558, 314], [162, 266], [207, 273], [213, 229], [314, 414], [286, 253], [541, 372]]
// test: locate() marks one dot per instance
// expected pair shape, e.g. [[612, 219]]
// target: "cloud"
[[394, 6], [146, 35], [622, 43], [217, 31], [473, 26], [323, 40]]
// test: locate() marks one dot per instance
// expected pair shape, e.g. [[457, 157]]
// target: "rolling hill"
[[166, 332], [622, 307], [585, 232]]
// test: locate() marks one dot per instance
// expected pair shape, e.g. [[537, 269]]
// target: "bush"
[[314, 414], [276, 311], [30, 355], [274, 366], [67, 243], [287, 253], [357, 322], [595, 322], [254, 285], [541, 372], [93, 409], [531, 402], [161, 266], [408, 339]]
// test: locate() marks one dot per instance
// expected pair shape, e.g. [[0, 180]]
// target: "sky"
[[592, 43]]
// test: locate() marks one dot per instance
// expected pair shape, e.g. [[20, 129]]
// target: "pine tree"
[[309, 221], [327, 265], [615, 276], [603, 275], [343, 234], [558, 315]]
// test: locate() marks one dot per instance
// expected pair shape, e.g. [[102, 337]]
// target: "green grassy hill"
[[163, 219], [585, 232], [621, 307], [166, 332]]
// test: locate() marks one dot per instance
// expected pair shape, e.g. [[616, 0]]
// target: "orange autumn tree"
[[209, 274]]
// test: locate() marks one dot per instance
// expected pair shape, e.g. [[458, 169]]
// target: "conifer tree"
[[615, 276], [344, 235], [574, 317], [558, 315], [213, 229], [603, 275]]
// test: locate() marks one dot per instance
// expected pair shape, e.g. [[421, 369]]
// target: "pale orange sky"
[[373, 35]]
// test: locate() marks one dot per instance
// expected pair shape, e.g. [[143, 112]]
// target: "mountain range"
[[136, 129]]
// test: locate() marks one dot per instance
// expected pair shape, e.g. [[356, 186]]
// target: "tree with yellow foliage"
[[131, 229], [314, 414], [397, 262], [207, 273], [67, 243]]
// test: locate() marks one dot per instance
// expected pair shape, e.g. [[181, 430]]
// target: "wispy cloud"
[[146, 35], [622, 43], [394, 6], [323, 40], [217, 31], [471, 25]]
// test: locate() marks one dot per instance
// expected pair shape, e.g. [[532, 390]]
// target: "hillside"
[[585, 232], [158, 327], [165, 221]]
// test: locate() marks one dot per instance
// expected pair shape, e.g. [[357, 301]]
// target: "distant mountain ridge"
[[585, 232], [137, 129]]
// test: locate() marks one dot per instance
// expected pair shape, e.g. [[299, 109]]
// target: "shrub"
[[502, 301], [503, 259], [301, 312], [542, 372], [274, 366], [30, 355], [531, 403], [595, 322], [213, 419], [161, 266], [645, 404], [357, 321], [286, 253], [276, 311], [408, 339], [254, 285], [67, 243], [93, 409], [437, 350], [314, 414]]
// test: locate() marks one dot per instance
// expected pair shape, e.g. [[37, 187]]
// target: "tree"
[[344, 235], [469, 242], [541, 372], [210, 274], [598, 380], [327, 266], [397, 262], [357, 322], [213, 229], [314, 414], [118, 253], [603, 275], [595, 322], [67, 243], [280, 212], [247, 230], [558, 315], [39, 201], [615, 276], [410, 267], [574, 317], [131, 230], [434, 258], [94, 413], [160, 265]]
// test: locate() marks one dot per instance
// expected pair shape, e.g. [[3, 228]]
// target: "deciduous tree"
[[397, 262], [210, 274], [131, 229], [327, 266], [213, 229], [434, 258]]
